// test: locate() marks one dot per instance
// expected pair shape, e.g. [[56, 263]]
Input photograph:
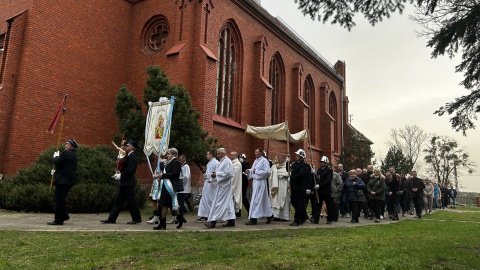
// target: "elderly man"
[[64, 176], [236, 183], [208, 187], [222, 199], [415, 187], [260, 203]]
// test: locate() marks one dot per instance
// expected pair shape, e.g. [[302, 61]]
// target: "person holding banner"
[[65, 175], [170, 184], [126, 191]]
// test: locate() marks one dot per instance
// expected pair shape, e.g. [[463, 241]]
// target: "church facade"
[[240, 65]]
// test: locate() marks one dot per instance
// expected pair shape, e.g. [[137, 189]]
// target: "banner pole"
[[64, 109]]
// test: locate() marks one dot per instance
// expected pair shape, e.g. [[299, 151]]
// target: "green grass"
[[437, 241]]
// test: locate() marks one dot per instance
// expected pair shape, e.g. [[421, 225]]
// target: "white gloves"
[[116, 176], [56, 154], [308, 191], [317, 186], [52, 171], [313, 171]]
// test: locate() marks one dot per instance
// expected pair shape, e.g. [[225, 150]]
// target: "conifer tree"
[[356, 153], [186, 134], [131, 119], [398, 160]]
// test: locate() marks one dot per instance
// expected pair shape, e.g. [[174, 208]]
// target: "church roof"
[[359, 135]]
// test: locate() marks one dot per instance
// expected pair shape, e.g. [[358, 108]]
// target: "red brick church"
[[240, 65]]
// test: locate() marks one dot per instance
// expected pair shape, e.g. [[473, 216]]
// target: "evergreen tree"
[[450, 26], [131, 120], [357, 153], [398, 160], [186, 134]]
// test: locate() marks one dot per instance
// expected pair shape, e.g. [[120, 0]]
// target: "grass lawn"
[[443, 240]]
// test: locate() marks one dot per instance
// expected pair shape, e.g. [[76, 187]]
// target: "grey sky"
[[391, 79]]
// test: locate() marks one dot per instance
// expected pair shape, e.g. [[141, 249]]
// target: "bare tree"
[[410, 140], [446, 158]]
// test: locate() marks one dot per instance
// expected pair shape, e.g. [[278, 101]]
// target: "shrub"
[[95, 190]]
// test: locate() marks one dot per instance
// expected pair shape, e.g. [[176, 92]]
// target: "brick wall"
[[89, 50]]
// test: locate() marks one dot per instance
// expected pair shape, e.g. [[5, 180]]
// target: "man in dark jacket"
[[324, 187], [367, 204], [126, 191], [298, 181], [64, 175], [415, 187], [245, 166]]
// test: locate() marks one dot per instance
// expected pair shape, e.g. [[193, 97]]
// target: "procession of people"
[[276, 187]]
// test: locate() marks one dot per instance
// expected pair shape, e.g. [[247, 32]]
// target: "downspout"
[[341, 108]]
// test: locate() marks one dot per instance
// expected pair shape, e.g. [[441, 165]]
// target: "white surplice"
[[279, 192], [208, 189], [237, 184], [222, 203], [260, 202]]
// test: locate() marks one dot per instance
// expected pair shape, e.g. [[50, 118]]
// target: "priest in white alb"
[[222, 203], [208, 187], [236, 183], [260, 202]]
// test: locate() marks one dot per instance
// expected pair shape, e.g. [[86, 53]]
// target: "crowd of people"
[[276, 186]]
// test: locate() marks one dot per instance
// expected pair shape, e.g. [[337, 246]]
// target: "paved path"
[[91, 222]]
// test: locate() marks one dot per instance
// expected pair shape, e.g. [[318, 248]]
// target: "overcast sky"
[[391, 79]]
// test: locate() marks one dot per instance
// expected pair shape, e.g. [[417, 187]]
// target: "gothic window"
[[332, 110], [277, 81], [309, 98], [227, 97], [155, 34]]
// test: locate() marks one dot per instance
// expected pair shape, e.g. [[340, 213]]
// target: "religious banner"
[[157, 126]]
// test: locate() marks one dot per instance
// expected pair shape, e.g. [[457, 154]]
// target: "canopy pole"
[[243, 142], [315, 174], [310, 146], [268, 146]]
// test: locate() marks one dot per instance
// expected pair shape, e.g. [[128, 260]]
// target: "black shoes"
[[294, 224], [251, 222], [134, 222], [180, 220], [229, 224], [108, 221], [55, 223], [269, 219], [209, 225], [162, 225]]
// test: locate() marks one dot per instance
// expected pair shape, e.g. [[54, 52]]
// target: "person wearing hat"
[[126, 190], [298, 185], [64, 177], [324, 187]]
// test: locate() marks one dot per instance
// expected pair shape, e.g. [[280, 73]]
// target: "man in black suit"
[[64, 175], [126, 191]]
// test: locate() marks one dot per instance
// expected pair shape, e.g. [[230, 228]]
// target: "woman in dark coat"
[[168, 196], [353, 190]]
